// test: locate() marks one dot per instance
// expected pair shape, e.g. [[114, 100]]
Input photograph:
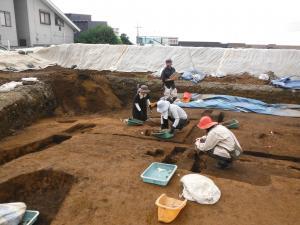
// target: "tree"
[[125, 39], [101, 34]]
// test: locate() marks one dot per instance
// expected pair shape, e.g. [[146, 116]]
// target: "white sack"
[[263, 76], [12, 213], [10, 86], [200, 189], [33, 79]]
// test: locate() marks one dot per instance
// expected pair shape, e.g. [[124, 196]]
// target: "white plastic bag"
[[263, 76], [33, 79], [10, 86], [199, 188], [12, 213]]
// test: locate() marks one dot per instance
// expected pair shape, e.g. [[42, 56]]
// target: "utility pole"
[[137, 33]]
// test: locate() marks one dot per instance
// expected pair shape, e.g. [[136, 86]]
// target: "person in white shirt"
[[219, 143], [171, 112]]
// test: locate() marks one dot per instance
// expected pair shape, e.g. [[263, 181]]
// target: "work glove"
[[172, 130], [199, 142], [142, 114]]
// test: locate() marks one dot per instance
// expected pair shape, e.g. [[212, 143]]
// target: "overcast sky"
[[247, 21]]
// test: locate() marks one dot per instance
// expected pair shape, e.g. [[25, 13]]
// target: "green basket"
[[134, 122], [163, 135], [231, 124]]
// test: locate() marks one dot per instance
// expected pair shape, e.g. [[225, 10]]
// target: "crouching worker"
[[219, 143], [141, 103], [173, 113]]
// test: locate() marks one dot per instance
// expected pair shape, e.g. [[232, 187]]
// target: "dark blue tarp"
[[240, 104], [287, 82]]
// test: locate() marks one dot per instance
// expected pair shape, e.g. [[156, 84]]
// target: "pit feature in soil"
[[43, 190], [184, 157], [7, 155], [40, 145]]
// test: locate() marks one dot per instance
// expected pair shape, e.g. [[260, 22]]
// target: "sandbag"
[[12, 213], [199, 188]]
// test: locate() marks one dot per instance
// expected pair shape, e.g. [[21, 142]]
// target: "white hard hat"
[[163, 106]]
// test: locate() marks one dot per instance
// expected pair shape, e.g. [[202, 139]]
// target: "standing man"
[[171, 112], [170, 91], [219, 143]]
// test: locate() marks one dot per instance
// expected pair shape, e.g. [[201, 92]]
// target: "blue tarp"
[[240, 104], [287, 82]]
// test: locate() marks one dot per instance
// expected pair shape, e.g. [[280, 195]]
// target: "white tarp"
[[131, 58]]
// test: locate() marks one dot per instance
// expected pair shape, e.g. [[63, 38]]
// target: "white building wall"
[[8, 33], [41, 34]]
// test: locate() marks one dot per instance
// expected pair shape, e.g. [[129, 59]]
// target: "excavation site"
[[70, 149]]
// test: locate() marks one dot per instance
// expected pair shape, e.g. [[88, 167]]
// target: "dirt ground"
[[86, 170], [83, 165], [243, 79]]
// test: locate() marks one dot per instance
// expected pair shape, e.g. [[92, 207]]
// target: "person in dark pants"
[[220, 143], [171, 112], [141, 103], [170, 91]]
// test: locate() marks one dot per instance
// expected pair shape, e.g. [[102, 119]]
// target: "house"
[[34, 23], [84, 22]]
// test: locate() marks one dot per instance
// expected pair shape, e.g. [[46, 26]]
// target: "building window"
[[45, 18], [58, 21], [5, 19]]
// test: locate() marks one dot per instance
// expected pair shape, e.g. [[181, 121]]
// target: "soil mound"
[[78, 92], [24, 105]]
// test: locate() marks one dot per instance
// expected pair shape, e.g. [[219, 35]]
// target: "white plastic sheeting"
[[21, 62], [199, 188], [130, 58], [9, 86]]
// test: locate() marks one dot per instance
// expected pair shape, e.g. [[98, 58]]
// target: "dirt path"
[[85, 170]]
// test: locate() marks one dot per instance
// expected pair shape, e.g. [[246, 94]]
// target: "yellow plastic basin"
[[168, 208]]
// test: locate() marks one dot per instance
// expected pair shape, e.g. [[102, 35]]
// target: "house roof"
[[61, 14]]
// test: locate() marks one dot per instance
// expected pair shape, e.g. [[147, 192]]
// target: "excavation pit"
[[172, 158], [43, 190], [105, 197], [185, 159]]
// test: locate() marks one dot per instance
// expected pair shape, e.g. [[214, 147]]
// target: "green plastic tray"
[[134, 122], [163, 135], [231, 124]]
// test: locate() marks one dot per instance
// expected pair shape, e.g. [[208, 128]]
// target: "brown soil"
[[43, 190], [85, 169], [93, 177], [76, 91], [234, 79]]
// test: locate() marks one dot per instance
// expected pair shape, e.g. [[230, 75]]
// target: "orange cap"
[[206, 122]]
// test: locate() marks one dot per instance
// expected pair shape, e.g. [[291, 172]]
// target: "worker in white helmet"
[[171, 112]]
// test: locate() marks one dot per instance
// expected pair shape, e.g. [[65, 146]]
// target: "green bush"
[[99, 35], [125, 39]]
